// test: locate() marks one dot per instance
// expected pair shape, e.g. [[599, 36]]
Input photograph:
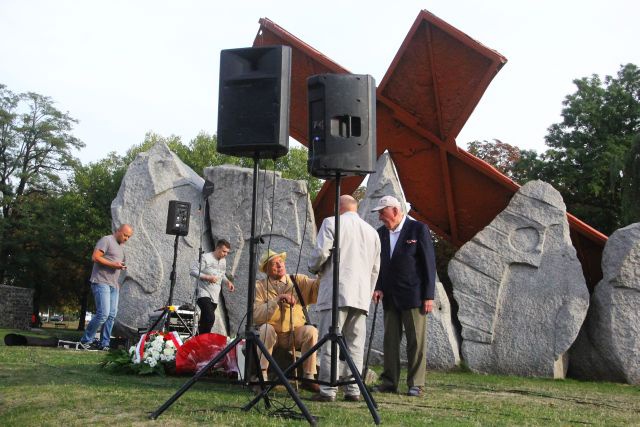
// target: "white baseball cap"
[[387, 201]]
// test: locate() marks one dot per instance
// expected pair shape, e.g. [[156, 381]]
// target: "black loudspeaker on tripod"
[[253, 107], [253, 121], [342, 120], [342, 134], [178, 218]]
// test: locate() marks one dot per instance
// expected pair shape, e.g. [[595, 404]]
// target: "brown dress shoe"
[[352, 398], [309, 386], [322, 398]]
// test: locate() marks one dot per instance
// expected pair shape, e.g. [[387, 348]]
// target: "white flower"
[[157, 349]]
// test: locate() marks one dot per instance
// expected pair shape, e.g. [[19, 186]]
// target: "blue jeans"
[[106, 309]]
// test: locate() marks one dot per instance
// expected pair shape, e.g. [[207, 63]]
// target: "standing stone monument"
[[284, 220], [519, 285], [153, 179], [443, 342], [608, 347]]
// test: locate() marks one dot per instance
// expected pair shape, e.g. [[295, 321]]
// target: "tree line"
[[53, 208], [593, 158]]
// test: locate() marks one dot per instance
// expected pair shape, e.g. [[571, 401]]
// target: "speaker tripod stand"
[[252, 340], [164, 320], [334, 337]]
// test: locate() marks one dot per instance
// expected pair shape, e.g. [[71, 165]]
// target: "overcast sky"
[[123, 68]]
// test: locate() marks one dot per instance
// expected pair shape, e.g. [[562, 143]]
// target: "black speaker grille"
[[178, 216], [253, 108], [342, 123]]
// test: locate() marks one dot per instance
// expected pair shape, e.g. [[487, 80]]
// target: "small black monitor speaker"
[[342, 124], [253, 105], [178, 218]]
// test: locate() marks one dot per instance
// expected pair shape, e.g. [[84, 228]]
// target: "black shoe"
[[91, 346], [352, 398], [85, 346], [383, 388]]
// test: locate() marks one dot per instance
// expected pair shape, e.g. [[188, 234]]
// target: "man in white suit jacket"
[[359, 267]]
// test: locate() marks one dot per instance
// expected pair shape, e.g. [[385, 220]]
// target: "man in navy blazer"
[[406, 287]]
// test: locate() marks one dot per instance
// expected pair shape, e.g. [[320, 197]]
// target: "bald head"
[[123, 233], [347, 204]]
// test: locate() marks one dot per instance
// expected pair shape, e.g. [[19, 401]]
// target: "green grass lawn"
[[50, 386]]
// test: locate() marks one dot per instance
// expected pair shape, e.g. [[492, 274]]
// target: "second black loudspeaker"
[[253, 106], [342, 125]]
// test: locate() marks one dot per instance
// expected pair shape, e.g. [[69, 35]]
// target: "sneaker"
[[352, 398], [322, 398], [415, 391], [105, 348], [87, 346], [383, 388]]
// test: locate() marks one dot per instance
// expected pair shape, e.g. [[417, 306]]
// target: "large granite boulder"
[[519, 285], [153, 179], [285, 225], [608, 347], [443, 342]]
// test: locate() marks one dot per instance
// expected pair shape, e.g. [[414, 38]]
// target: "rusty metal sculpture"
[[431, 88]]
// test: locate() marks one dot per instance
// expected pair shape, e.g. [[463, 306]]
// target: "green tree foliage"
[[36, 146], [631, 185], [588, 148]]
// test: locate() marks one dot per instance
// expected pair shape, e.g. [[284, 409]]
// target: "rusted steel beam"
[[432, 86]]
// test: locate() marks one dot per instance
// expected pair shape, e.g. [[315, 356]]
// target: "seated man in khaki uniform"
[[279, 313]]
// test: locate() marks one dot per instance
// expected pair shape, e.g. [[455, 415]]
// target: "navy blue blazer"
[[409, 277]]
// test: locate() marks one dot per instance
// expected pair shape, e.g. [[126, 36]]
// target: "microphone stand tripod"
[[334, 335], [252, 340]]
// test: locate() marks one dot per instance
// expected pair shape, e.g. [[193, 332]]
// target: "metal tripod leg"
[[339, 339], [356, 375], [195, 378], [200, 373], [283, 380], [286, 372]]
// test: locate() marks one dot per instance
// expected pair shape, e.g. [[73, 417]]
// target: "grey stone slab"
[[524, 322], [152, 180], [608, 347]]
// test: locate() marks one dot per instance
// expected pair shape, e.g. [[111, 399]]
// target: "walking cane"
[[373, 328], [293, 344]]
